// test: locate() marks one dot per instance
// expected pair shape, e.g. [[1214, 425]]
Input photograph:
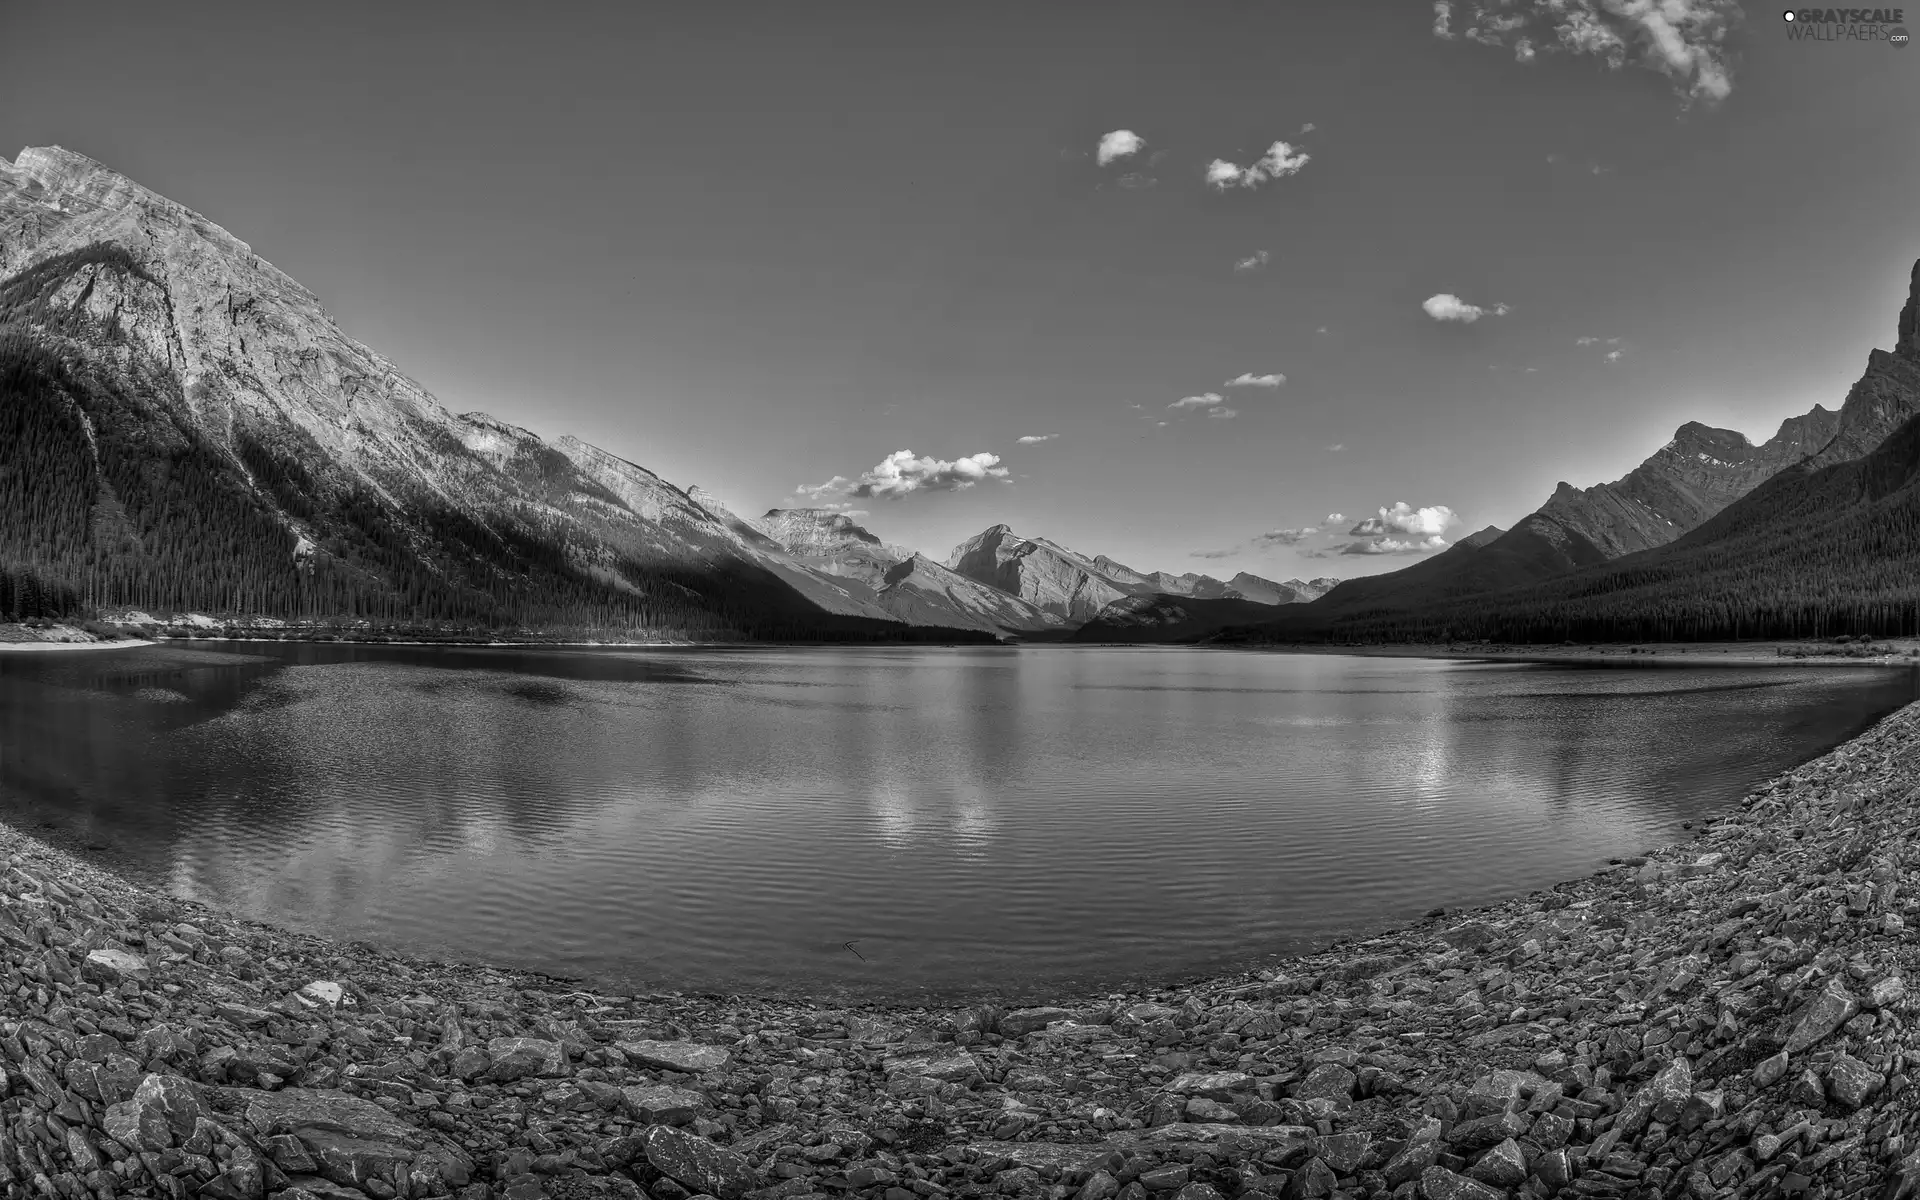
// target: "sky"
[[865, 254]]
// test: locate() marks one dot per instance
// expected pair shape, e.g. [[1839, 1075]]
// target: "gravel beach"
[[1725, 1017]]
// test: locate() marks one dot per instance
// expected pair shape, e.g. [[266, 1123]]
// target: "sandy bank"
[[1726, 1017]]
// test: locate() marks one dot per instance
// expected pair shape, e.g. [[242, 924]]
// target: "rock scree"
[[1722, 1018]]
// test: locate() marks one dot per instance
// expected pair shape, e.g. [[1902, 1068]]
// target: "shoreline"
[[1626, 654], [1723, 1016], [120, 644]]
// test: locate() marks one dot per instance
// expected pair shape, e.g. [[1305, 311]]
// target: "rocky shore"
[[1726, 1017]]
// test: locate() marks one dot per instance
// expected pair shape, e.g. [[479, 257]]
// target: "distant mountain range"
[[184, 428], [1815, 532]]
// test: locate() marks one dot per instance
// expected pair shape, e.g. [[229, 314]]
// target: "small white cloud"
[[1404, 518], [1281, 160], [1032, 438], [1203, 400], [1553, 158], [1334, 519], [1309, 127], [1448, 307], [1253, 262], [1443, 19], [1227, 553], [1223, 414], [1337, 447], [1613, 356], [1134, 181], [902, 473], [1121, 143], [1322, 329], [1249, 379], [1586, 341]]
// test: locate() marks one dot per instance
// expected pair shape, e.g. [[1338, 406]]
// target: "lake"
[[894, 824]]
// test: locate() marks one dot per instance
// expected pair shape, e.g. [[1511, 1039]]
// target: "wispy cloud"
[[1253, 262], [902, 473], [1280, 160], [1387, 545], [1229, 552], [1121, 143], [1223, 414], [1448, 307], [1135, 180], [1249, 379], [1203, 400], [1613, 356], [1284, 537], [1337, 447], [1685, 40], [1032, 438]]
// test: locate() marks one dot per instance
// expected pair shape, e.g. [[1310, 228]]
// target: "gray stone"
[[1022, 1021], [1328, 1081], [1851, 1082], [660, 1105], [698, 1164], [1225, 1086], [1438, 1183], [1416, 1156], [689, 1057], [1502, 1166], [948, 1066], [1826, 1012], [1769, 1071], [518, 1058]]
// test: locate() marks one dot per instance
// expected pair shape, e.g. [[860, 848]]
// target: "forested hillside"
[[1812, 552], [111, 497]]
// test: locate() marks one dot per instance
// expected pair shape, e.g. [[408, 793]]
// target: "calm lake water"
[[973, 821]]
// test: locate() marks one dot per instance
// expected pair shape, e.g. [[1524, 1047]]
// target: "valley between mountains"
[[185, 430]]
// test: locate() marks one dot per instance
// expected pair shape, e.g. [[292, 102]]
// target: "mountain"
[[1077, 589], [908, 586], [183, 427], [1822, 541], [1815, 551], [1164, 618], [1050, 577]]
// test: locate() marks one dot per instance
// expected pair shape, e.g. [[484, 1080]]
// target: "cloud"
[[1613, 356], [1249, 379], [1280, 160], [1031, 438], [1585, 341], [1387, 545], [1284, 537], [1253, 262], [1309, 127], [1121, 143], [1134, 181], [1404, 518], [1337, 447], [1322, 329], [1229, 552], [901, 474], [1685, 40], [1334, 518], [1223, 414], [1203, 400], [1448, 307]]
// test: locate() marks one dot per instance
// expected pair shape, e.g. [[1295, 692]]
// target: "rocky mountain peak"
[[1907, 343]]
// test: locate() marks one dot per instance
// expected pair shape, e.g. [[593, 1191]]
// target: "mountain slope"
[[1164, 618], [215, 441], [908, 586], [1823, 544], [1076, 588], [1812, 552]]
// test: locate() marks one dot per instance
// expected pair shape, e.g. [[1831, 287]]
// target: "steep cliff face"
[[1048, 576], [142, 325], [1077, 588], [908, 586]]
